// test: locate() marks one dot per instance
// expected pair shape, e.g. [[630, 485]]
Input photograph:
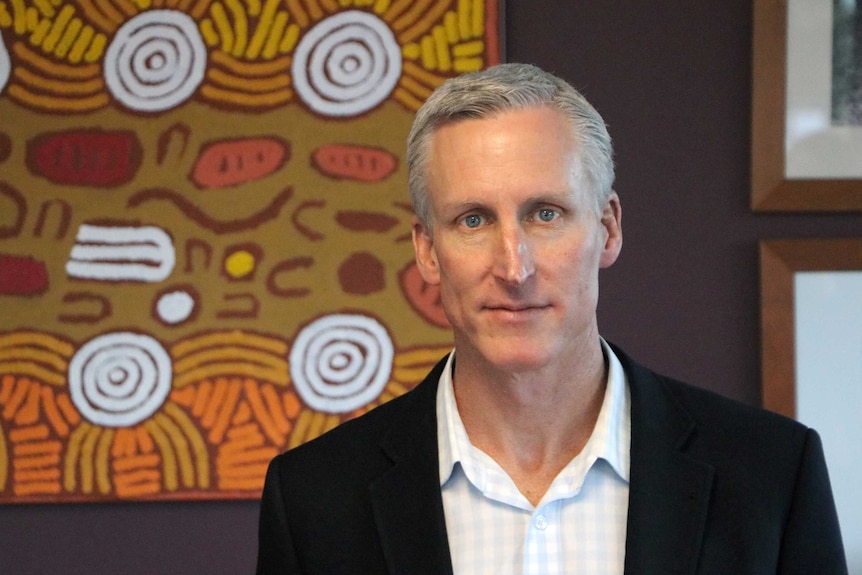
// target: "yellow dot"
[[239, 263]]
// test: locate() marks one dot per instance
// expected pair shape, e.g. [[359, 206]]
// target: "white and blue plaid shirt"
[[579, 526]]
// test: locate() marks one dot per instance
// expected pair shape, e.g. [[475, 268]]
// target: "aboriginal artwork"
[[205, 252]]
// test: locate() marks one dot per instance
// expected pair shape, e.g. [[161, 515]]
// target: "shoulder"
[[724, 418], [751, 454], [764, 486], [713, 422]]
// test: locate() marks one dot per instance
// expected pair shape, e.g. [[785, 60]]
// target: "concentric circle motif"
[[346, 64], [5, 64], [341, 362], [155, 61], [119, 379]]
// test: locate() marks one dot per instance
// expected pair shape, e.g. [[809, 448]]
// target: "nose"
[[514, 262]]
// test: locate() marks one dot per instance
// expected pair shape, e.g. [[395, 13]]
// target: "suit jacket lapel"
[[669, 493], [668, 499], [408, 506]]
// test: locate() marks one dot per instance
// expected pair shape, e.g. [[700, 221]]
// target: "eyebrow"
[[545, 197]]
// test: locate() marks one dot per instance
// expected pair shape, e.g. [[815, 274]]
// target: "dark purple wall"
[[672, 79]]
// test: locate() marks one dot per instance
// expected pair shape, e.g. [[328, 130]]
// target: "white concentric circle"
[[119, 379], [155, 61], [5, 64], [346, 64], [341, 362]]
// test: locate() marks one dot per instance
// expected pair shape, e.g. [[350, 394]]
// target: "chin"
[[517, 355]]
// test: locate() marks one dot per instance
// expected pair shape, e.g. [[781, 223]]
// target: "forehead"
[[540, 117], [528, 145]]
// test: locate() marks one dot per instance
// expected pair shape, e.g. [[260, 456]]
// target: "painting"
[[812, 357], [205, 253], [807, 106]]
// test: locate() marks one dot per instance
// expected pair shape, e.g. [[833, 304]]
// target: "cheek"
[[453, 301], [576, 270], [456, 264], [459, 277], [451, 284]]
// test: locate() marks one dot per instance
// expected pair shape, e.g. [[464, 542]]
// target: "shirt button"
[[540, 522]]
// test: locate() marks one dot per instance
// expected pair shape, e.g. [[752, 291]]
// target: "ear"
[[426, 255], [612, 221]]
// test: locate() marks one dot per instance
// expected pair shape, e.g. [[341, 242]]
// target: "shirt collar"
[[610, 440]]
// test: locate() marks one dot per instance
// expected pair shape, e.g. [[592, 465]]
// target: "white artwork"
[[814, 148], [119, 379], [341, 362], [347, 64], [121, 253], [155, 61], [828, 312], [5, 64], [175, 307]]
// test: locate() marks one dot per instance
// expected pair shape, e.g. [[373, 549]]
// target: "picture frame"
[[811, 319], [780, 261], [806, 163], [159, 339]]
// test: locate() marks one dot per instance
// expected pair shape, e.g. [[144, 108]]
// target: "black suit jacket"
[[716, 487]]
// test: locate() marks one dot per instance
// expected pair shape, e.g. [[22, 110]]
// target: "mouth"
[[516, 309], [515, 316]]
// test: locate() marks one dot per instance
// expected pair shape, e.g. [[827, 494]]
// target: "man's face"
[[517, 240]]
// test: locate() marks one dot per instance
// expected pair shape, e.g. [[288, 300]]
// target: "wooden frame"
[[812, 370], [771, 189], [779, 262]]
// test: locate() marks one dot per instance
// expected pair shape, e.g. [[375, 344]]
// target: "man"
[[537, 447]]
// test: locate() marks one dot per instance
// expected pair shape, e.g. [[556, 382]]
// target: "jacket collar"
[[668, 497], [407, 503], [669, 491]]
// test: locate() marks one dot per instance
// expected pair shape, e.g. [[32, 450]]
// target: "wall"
[[672, 79]]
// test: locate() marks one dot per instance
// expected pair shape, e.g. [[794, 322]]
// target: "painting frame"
[[780, 260], [234, 253], [811, 334], [771, 188]]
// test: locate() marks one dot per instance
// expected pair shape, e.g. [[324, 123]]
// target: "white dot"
[[175, 307], [157, 61]]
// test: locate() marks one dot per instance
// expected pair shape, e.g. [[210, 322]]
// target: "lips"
[[502, 318], [515, 308]]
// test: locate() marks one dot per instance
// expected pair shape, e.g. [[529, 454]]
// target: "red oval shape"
[[358, 221], [353, 162], [89, 157], [22, 275], [232, 162]]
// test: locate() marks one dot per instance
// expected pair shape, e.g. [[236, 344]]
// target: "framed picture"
[[811, 319], [806, 106], [205, 254]]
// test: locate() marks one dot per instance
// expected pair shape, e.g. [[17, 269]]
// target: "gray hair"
[[498, 89]]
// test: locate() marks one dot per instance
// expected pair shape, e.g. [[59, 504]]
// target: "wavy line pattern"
[[231, 408], [78, 57], [130, 371]]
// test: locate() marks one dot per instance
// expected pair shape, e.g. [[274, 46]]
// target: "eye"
[[473, 220], [547, 214]]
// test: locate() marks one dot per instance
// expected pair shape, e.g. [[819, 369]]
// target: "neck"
[[533, 423]]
